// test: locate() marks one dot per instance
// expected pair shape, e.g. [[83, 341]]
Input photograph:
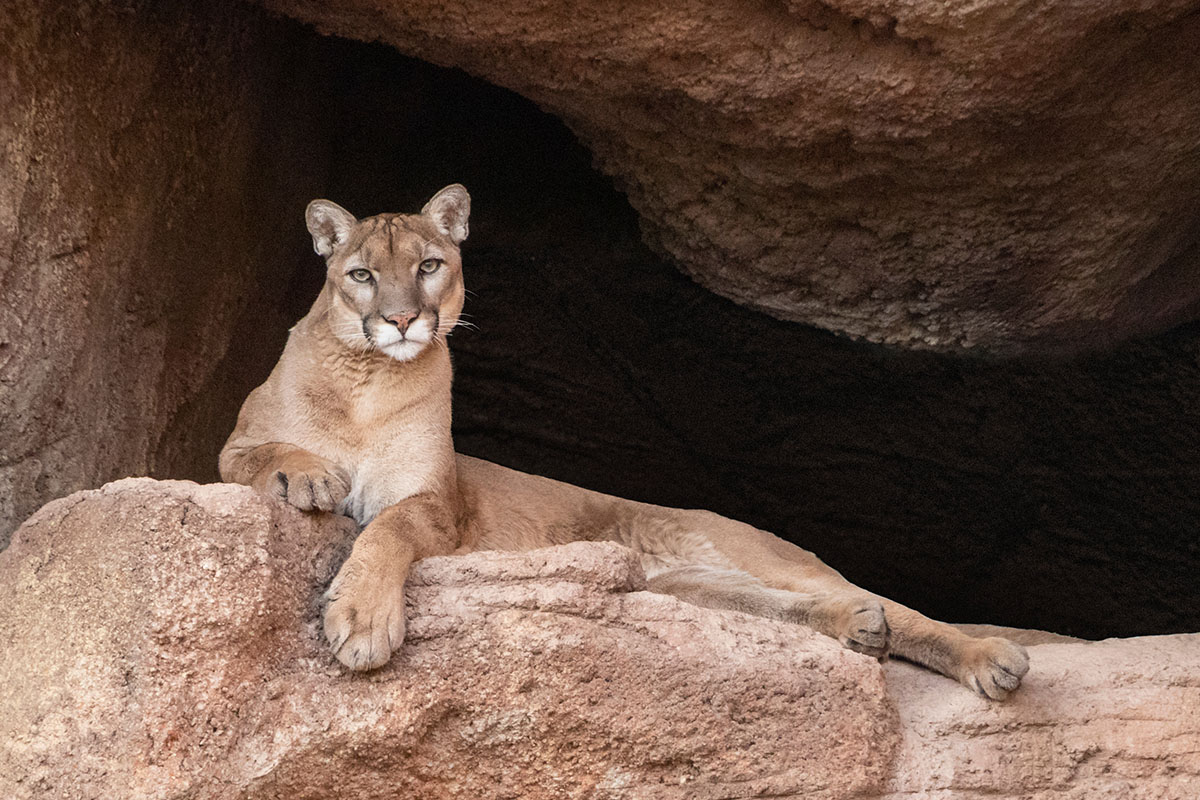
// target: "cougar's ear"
[[329, 224], [449, 210]]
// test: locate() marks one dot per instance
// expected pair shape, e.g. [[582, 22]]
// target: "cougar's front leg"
[[291, 473], [364, 620]]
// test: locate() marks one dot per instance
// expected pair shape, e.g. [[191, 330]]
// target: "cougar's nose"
[[402, 320]]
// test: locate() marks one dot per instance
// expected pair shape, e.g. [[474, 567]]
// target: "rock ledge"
[[164, 642]]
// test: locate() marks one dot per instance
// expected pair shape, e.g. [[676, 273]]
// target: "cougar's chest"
[[386, 423], [400, 447]]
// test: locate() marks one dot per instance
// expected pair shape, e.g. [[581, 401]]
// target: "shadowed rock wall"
[[153, 157]]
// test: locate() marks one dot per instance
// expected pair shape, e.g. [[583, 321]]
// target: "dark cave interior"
[[1058, 494], [1054, 494]]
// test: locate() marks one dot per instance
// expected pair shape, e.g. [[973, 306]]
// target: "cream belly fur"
[[355, 419]]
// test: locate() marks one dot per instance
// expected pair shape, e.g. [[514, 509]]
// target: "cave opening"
[[1053, 494]]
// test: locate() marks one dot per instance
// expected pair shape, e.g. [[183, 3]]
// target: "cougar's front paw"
[[993, 667], [364, 621], [311, 486]]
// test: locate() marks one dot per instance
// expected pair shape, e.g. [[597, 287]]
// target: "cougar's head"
[[395, 279]]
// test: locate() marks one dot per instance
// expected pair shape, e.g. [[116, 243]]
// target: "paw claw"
[[336, 645]]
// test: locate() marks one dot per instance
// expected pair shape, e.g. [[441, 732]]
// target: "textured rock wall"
[[930, 174], [153, 158], [166, 643]]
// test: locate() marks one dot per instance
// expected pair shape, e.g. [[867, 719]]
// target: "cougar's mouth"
[[404, 349]]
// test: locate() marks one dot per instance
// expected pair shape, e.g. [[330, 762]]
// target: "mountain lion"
[[355, 419]]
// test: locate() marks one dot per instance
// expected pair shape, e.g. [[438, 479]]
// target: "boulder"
[[168, 645], [1111, 720], [164, 641]]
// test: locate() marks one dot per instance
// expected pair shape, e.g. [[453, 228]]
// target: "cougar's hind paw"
[[994, 667], [865, 629]]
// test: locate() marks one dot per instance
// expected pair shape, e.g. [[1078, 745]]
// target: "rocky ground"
[[164, 642]]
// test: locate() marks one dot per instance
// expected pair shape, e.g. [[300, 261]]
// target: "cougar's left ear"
[[329, 224], [449, 210]]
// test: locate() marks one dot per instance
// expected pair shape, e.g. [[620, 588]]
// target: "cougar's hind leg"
[[859, 623], [992, 667]]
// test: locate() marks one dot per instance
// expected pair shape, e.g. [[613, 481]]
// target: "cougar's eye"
[[360, 275], [430, 265]]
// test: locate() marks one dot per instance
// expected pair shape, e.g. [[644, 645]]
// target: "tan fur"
[[342, 425]]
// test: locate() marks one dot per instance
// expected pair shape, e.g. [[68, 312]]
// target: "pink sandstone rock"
[[1116, 719], [163, 641], [168, 643]]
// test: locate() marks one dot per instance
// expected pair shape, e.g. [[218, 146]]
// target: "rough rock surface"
[[169, 643], [917, 172], [143, 150], [1112, 720], [164, 642]]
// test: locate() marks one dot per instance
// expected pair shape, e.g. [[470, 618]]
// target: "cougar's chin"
[[405, 350]]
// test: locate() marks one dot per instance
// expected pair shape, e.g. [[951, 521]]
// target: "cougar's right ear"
[[329, 224], [449, 210]]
